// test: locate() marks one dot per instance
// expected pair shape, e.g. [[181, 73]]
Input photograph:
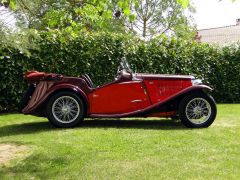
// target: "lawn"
[[123, 149]]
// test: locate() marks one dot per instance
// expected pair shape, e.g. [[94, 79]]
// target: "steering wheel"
[[119, 70]]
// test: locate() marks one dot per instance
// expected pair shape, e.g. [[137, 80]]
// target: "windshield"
[[125, 65]]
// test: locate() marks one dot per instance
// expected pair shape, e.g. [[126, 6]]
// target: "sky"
[[215, 13], [6, 18]]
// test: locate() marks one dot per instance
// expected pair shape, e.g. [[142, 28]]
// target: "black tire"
[[210, 108], [55, 119]]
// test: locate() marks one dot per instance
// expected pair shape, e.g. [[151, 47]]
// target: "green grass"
[[124, 149]]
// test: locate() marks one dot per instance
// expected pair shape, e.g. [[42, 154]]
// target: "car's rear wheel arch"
[[85, 101]]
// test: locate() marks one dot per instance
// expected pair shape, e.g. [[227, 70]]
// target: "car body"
[[65, 101]]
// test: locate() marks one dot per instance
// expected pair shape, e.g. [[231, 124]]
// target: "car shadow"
[[163, 124], [35, 127]]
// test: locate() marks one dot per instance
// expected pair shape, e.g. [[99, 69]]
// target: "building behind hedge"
[[220, 35]]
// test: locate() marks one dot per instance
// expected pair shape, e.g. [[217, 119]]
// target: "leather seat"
[[88, 80]]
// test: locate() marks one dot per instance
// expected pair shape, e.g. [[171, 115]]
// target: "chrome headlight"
[[196, 81]]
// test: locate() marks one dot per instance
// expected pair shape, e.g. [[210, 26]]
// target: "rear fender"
[[31, 108], [67, 87], [76, 89]]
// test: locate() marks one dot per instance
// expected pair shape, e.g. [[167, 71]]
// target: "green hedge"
[[98, 55]]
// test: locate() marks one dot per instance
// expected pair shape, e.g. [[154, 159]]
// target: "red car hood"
[[163, 76]]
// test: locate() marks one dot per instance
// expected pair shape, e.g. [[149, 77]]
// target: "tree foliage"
[[95, 15], [22, 40], [156, 17], [80, 15]]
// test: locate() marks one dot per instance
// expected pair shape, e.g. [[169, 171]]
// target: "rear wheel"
[[65, 109], [197, 110]]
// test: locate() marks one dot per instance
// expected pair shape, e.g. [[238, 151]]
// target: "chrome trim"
[[136, 101], [196, 81]]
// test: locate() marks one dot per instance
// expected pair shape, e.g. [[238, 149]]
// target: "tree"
[[151, 18], [156, 17], [80, 14]]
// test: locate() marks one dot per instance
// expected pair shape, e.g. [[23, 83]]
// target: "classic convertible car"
[[66, 101]]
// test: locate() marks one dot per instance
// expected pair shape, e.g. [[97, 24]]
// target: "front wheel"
[[197, 110], [65, 109]]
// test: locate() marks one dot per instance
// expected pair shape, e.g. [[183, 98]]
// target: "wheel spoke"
[[71, 115], [68, 118]]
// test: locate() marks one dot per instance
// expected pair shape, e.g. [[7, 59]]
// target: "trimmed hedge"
[[98, 55]]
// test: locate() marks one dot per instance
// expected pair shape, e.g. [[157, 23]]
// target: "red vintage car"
[[66, 101]]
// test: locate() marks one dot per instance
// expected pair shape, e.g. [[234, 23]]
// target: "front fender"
[[194, 88], [45, 90], [176, 96]]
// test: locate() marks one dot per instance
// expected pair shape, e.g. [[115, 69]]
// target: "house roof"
[[220, 35]]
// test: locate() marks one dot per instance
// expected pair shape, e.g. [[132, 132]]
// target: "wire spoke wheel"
[[198, 110], [65, 109]]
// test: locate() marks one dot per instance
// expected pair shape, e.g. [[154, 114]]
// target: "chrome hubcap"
[[198, 110], [65, 109]]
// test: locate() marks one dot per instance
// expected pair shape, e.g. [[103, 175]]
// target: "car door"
[[118, 98]]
